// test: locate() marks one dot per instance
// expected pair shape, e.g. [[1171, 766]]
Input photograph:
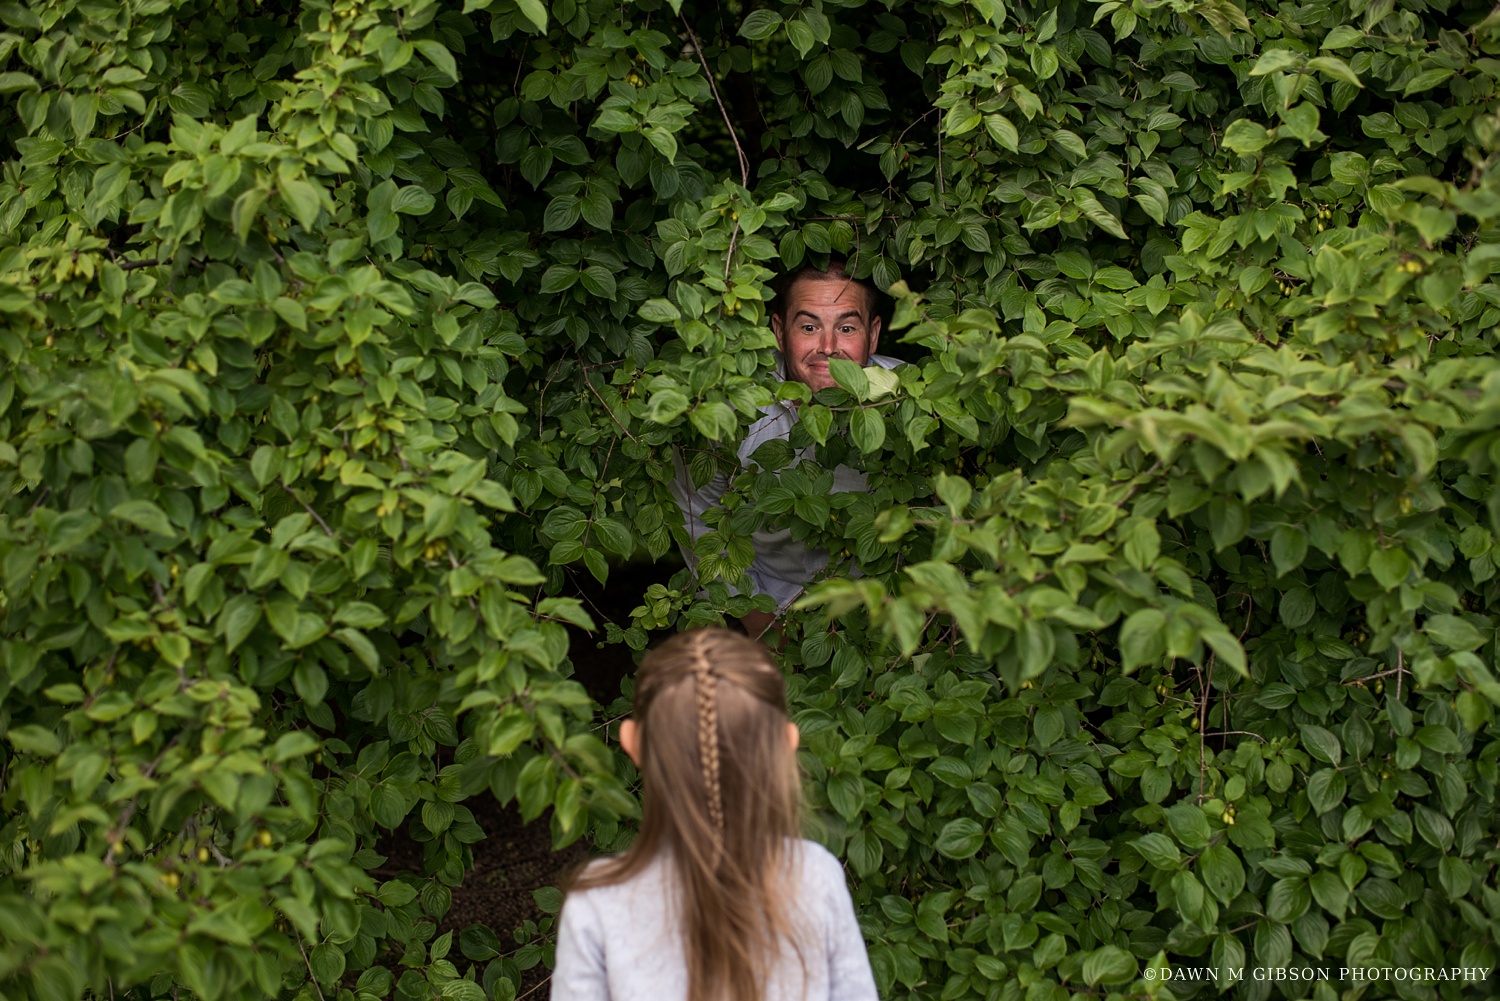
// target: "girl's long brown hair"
[[721, 805]]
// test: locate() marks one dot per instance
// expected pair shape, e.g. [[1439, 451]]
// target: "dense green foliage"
[[339, 339]]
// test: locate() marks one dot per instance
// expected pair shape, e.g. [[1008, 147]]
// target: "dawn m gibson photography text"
[[1354, 974]]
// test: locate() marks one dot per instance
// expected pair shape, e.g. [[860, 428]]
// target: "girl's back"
[[718, 899], [624, 942]]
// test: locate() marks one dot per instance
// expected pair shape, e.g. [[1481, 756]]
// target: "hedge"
[[340, 339]]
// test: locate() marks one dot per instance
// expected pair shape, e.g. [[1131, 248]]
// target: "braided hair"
[[705, 691], [721, 804]]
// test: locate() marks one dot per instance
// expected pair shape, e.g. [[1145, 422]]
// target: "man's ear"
[[874, 338], [776, 330]]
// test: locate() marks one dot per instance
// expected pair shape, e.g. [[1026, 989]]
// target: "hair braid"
[[705, 684]]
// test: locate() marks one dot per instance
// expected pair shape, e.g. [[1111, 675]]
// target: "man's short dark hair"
[[837, 270]]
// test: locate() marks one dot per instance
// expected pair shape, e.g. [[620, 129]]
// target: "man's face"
[[824, 318]]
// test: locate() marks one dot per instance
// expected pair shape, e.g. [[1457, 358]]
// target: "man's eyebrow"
[[839, 319]]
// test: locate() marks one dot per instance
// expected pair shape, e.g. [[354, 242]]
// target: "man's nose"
[[828, 342]]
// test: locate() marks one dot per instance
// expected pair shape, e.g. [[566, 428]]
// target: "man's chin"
[[816, 379]]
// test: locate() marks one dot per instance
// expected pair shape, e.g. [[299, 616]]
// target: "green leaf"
[[413, 199], [327, 964], [659, 311], [760, 24], [867, 428], [1288, 549], [1109, 965], [1002, 131], [34, 739], [960, 838], [437, 53], [1297, 607], [1336, 69], [850, 376], [303, 201], [1159, 850], [360, 615], [818, 420], [1245, 136], [145, 515], [13, 81], [1321, 743], [666, 405], [535, 12], [1326, 789], [1143, 638], [1454, 632], [1221, 872]]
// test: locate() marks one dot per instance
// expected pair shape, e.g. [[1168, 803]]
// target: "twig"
[[941, 193], [1206, 680], [913, 124], [1237, 733], [133, 265], [117, 833], [611, 722], [589, 383], [538, 987], [316, 986], [318, 518], [1371, 677], [734, 137], [541, 403], [46, 492], [1248, 613], [734, 236]]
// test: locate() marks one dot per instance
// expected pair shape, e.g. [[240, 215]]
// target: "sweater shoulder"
[[820, 867]]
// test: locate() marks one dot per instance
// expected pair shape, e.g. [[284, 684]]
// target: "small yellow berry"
[[202, 854], [265, 838], [172, 880]]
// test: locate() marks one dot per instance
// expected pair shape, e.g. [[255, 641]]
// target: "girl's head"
[[716, 751], [721, 803]]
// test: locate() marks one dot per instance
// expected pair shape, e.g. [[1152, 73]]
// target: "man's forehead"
[[828, 291]]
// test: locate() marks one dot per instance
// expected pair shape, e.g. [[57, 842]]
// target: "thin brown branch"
[[538, 987], [117, 833], [46, 492], [1206, 681], [319, 519], [734, 236], [311, 975], [589, 383], [734, 136], [1397, 671]]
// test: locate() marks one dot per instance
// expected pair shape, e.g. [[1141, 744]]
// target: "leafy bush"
[[340, 338]]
